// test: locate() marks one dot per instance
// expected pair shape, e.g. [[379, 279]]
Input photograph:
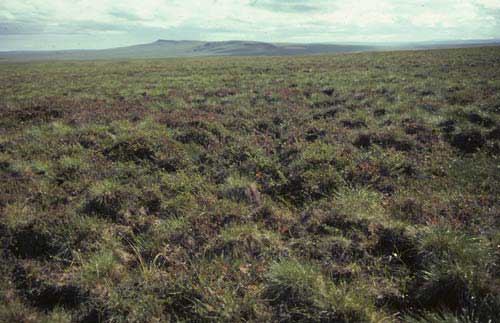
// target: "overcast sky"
[[68, 24]]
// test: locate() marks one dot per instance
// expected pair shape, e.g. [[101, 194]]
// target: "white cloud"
[[276, 20], [362, 13], [492, 4]]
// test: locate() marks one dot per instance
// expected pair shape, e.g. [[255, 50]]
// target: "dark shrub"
[[135, 150], [197, 136], [353, 124], [46, 295], [398, 243], [468, 141], [494, 134], [384, 140], [329, 114], [441, 290], [363, 141], [328, 91], [480, 120], [447, 126], [31, 242], [314, 134]]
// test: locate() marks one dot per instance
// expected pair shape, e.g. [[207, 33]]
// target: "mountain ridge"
[[166, 48]]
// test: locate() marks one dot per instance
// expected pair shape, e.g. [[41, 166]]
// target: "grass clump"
[[302, 293], [106, 199], [458, 275]]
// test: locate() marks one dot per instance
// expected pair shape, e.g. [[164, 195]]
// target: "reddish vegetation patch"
[[385, 140], [74, 112]]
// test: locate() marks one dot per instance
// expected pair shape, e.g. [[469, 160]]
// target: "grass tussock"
[[348, 188]]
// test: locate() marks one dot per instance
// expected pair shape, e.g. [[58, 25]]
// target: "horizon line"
[[372, 43]]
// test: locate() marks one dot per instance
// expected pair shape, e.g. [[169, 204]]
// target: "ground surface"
[[343, 188]]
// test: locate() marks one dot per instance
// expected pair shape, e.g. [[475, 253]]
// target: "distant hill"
[[188, 48]]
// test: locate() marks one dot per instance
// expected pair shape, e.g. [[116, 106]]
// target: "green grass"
[[342, 188]]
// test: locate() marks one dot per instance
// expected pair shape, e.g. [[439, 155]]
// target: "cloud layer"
[[41, 24]]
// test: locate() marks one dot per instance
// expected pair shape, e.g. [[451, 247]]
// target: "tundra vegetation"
[[337, 188]]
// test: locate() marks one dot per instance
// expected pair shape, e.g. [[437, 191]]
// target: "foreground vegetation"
[[346, 188]]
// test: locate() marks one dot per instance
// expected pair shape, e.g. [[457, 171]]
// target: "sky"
[[92, 24]]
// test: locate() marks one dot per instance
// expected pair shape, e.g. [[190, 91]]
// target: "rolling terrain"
[[361, 187], [169, 48], [172, 48]]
